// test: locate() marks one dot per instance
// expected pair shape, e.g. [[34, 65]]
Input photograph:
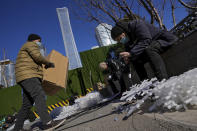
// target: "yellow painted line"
[[53, 106], [61, 104], [57, 105], [67, 104], [67, 101], [89, 90], [64, 103], [50, 108], [36, 114]]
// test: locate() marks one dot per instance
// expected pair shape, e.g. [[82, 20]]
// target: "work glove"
[[49, 65]]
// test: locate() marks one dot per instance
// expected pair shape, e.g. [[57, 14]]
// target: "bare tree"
[[114, 10], [162, 9], [192, 3], [188, 5], [156, 14], [173, 8], [105, 10], [110, 11], [147, 9], [153, 12]]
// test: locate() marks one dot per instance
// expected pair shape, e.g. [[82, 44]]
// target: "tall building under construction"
[[68, 38], [7, 73], [103, 34]]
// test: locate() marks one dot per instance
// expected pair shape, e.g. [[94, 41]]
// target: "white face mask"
[[39, 43], [124, 40], [42, 50]]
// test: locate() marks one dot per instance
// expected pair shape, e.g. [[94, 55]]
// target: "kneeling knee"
[[149, 50]]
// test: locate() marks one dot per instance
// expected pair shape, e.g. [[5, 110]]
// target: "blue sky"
[[19, 18]]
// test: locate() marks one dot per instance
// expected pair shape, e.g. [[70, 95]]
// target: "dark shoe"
[[52, 125]]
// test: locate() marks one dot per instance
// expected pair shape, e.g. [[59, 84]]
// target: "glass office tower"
[[68, 38]]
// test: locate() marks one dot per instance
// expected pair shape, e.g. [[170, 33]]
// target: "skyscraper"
[[103, 34], [7, 73], [68, 38]]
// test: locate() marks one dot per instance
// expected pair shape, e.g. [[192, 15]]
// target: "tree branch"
[[99, 6], [173, 8], [148, 10], [186, 5], [129, 10], [162, 11], [155, 13]]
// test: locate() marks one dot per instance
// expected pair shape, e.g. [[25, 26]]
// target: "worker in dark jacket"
[[144, 43], [117, 72], [29, 74]]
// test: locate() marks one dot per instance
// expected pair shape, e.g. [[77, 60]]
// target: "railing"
[[186, 26]]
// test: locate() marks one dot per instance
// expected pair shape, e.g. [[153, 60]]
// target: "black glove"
[[49, 65]]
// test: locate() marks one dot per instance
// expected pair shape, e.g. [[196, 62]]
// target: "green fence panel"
[[11, 100]]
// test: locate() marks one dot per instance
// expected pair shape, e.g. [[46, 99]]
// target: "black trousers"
[[32, 92], [152, 55], [122, 84]]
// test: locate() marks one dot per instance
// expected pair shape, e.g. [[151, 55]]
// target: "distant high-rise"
[[103, 34], [69, 42], [7, 73], [94, 47]]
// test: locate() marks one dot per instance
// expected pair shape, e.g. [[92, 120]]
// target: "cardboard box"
[[55, 79]]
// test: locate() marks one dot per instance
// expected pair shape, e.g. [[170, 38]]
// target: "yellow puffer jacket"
[[29, 62]]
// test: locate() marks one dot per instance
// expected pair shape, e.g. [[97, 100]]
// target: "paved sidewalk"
[[103, 119]]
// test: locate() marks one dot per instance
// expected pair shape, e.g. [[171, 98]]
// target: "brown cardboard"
[[55, 79]]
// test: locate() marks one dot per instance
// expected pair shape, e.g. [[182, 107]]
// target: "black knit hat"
[[33, 37], [116, 31]]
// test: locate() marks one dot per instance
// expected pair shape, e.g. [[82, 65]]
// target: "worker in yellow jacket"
[[29, 74]]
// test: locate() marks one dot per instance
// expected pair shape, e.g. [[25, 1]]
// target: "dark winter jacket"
[[141, 34]]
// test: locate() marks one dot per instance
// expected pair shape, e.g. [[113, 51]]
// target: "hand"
[[125, 54], [49, 65], [103, 66], [126, 60]]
